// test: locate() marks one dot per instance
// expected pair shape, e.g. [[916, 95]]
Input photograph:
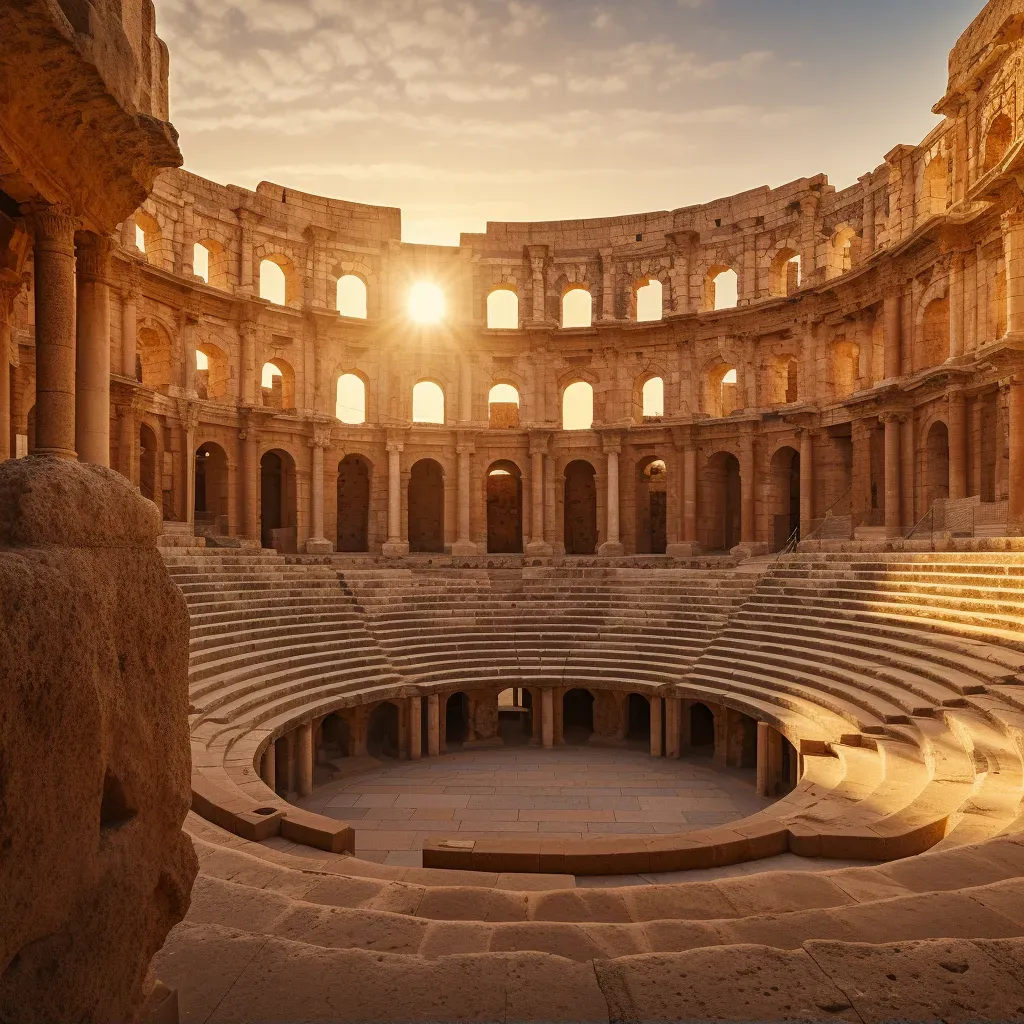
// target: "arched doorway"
[[515, 716], [504, 509], [702, 730], [577, 716], [937, 464], [785, 496], [353, 504], [580, 508], [745, 740], [426, 507], [335, 738], [278, 502], [382, 731], [638, 718], [652, 508], [721, 498], [456, 720], [148, 464], [211, 489]]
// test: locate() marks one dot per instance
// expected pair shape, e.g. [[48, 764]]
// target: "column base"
[[611, 549], [396, 549], [750, 550], [539, 549], [686, 549], [319, 546], [465, 549]]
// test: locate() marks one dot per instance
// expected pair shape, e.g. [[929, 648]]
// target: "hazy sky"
[[463, 111]]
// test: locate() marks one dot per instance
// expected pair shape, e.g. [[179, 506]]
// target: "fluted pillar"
[[957, 445], [464, 545], [806, 484], [395, 546], [1016, 474], [538, 546], [129, 331], [53, 230], [893, 489], [317, 544], [612, 547], [92, 349]]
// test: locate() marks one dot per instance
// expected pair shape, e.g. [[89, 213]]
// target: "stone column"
[[465, 389], [806, 484], [538, 256], [748, 495], [673, 732], [268, 767], [54, 253], [126, 441], [762, 758], [538, 546], [956, 306], [908, 464], [189, 414], [957, 445], [1002, 459], [893, 490], [892, 332], [395, 546], [129, 331], [1016, 481], [1013, 241], [304, 760], [612, 547], [416, 728], [547, 717], [433, 725], [251, 483], [656, 747], [860, 505], [318, 544], [92, 349], [247, 371], [8, 293], [291, 767], [463, 545], [688, 546], [607, 285]]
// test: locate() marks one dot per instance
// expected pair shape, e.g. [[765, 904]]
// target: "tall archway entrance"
[[785, 496], [702, 730], [638, 710], [504, 509], [426, 507], [652, 507], [353, 504], [577, 716], [580, 508], [211, 490], [456, 720], [937, 464], [515, 716], [148, 479], [382, 731], [278, 502], [721, 498]]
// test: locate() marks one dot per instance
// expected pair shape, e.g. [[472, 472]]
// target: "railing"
[[830, 526], [965, 518], [926, 527]]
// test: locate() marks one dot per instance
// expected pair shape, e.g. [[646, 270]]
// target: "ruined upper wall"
[[999, 21]]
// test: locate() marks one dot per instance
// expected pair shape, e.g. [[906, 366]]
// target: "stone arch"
[[936, 470], [279, 280], [576, 312], [713, 297], [651, 506], [783, 379], [210, 488], [382, 731], [580, 508], [351, 296], [354, 490], [931, 336], [721, 389], [155, 355], [503, 308], [784, 495], [783, 267], [277, 389], [218, 262], [456, 719], [933, 188], [638, 719], [352, 394], [156, 246], [647, 300], [426, 507], [578, 405], [504, 508], [719, 502], [149, 464], [504, 402], [839, 252], [845, 367], [429, 402], [213, 380], [278, 501], [649, 395], [998, 139], [577, 715], [702, 729]]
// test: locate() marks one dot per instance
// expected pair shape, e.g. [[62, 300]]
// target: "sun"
[[426, 303]]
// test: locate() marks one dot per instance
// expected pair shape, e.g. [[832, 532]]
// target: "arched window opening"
[[212, 373], [578, 406], [428, 403], [580, 512], [202, 361], [272, 385], [149, 239], [210, 509], [351, 399], [650, 302], [722, 289], [273, 283], [503, 310], [721, 394], [932, 341], [426, 303], [515, 716], [335, 738], [353, 504], [140, 238], [426, 507], [577, 308], [653, 397], [278, 502], [720, 503], [350, 297], [210, 262], [153, 358], [652, 508], [998, 140], [845, 368], [503, 407], [577, 716], [504, 509], [935, 187], [937, 468], [784, 496], [201, 261], [784, 276], [840, 253]]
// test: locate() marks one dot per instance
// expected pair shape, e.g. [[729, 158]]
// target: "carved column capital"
[[93, 256], [53, 226]]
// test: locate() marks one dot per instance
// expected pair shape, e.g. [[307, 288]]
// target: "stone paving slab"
[[566, 794]]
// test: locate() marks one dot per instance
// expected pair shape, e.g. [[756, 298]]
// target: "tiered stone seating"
[[543, 626]]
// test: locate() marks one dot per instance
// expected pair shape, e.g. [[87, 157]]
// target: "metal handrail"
[[821, 521]]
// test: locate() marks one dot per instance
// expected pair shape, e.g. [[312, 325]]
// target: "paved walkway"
[[570, 792]]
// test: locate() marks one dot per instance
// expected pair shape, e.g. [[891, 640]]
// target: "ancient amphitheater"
[[584, 647]]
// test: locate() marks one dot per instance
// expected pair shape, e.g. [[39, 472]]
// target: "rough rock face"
[[94, 755]]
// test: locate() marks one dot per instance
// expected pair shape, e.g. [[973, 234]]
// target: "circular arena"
[[549, 638]]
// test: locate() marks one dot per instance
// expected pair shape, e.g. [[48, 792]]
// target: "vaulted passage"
[[278, 501], [504, 509], [652, 508], [456, 720], [580, 509], [211, 489], [785, 496], [382, 731], [426, 507], [578, 716], [353, 504], [720, 499]]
